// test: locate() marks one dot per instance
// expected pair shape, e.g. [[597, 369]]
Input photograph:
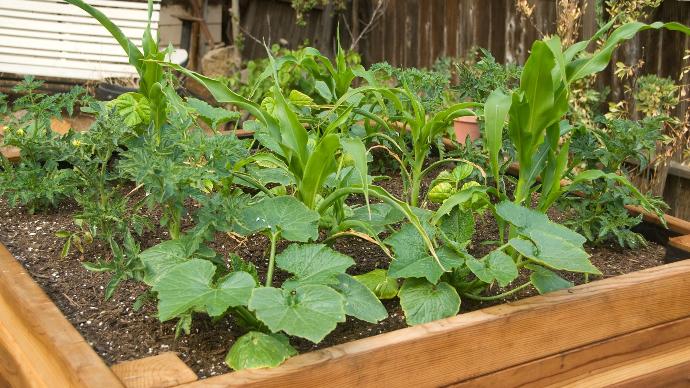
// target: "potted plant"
[[466, 126]]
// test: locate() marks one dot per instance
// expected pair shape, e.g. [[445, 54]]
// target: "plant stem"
[[416, 183], [496, 297], [248, 317], [382, 194], [272, 259], [253, 181]]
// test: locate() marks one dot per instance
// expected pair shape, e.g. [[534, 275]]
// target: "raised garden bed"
[[154, 206], [639, 333], [620, 329]]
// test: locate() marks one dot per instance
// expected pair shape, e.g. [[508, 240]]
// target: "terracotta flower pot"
[[466, 126]]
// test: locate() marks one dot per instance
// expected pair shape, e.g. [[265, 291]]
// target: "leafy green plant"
[[448, 183], [308, 158], [613, 142], [420, 131], [431, 86], [476, 80], [535, 110], [145, 61], [179, 165], [655, 96], [41, 179], [304, 70], [309, 304], [599, 204], [600, 213], [124, 264]]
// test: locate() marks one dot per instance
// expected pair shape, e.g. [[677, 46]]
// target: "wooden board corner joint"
[[161, 371]]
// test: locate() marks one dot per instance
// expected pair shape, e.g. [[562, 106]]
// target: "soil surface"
[[119, 333]]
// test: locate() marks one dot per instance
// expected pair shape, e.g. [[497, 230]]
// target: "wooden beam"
[[675, 376], [674, 224], [669, 365], [11, 153], [605, 356], [39, 347], [196, 10], [485, 341], [161, 371], [680, 242]]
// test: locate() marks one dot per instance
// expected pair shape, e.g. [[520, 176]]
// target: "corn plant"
[[535, 110], [151, 77], [409, 117]]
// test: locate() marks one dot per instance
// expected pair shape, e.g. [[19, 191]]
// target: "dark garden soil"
[[119, 333]]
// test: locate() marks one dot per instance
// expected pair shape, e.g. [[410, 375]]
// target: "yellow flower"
[[76, 142]]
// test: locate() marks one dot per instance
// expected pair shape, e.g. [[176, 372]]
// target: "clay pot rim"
[[466, 119]]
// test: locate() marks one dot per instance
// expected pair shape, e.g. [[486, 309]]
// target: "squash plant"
[[432, 289], [187, 278]]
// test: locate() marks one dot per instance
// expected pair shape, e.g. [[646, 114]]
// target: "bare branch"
[[378, 12]]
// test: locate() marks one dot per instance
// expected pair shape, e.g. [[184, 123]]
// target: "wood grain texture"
[[11, 153], [680, 242], [661, 368], [161, 371], [38, 346], [578, 364], [675, 376], [485, 341]]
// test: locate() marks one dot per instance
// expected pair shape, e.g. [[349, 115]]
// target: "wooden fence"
[[416, 33]]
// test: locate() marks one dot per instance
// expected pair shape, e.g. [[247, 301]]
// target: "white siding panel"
[[69, 9], [68, 28], [55, 39]]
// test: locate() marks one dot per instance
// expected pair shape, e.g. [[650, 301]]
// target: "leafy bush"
[[299, 70], [598, 206], [655, 96], [429, 85], [42, 178], [476, 80]]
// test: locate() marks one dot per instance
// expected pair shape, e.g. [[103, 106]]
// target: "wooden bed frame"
[[628, 330]]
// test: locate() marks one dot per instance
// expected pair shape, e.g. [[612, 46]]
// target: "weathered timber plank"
[[161, 371], [660, 368], [568, 366], [680, 242], [485, 341], [677, 376], [674, 223], [38, 346], [11, 153]]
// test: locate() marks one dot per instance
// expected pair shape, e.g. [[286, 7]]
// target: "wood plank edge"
[[356, 351], [163, 370], [42, 330], [661, 366], [581, 362]]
